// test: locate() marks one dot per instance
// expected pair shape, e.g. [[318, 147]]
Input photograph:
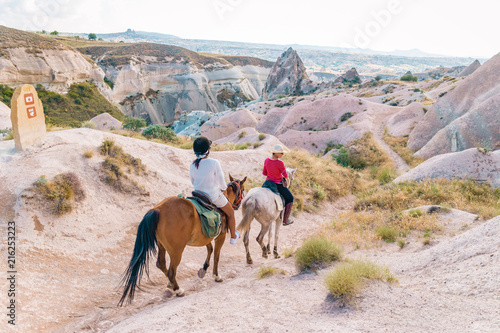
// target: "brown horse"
[[171, 225]]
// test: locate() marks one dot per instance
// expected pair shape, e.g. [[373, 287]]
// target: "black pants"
[[285, 193]]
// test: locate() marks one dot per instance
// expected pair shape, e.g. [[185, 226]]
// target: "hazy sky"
[[457, 28]]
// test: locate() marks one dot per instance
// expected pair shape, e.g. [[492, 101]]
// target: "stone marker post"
[[28, 120]]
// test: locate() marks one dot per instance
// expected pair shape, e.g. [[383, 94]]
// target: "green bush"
[[262, 136], [134, 124], [346, 116], [343, 157], [409, 77], [160, 132], [316, 251], [6, 93]]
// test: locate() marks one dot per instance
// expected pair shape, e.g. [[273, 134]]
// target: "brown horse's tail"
[[145, 246], [248, 214]]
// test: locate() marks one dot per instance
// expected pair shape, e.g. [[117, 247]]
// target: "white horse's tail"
[[248, 214]]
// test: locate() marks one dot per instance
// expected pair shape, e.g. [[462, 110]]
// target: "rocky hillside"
[[464, 117], [32, 58], [152, 81], [157, 82]]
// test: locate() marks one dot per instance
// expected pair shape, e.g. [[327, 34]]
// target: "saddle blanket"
[[210, 219]]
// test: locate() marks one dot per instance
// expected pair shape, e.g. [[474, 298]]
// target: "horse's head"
[[291, 175], [235, 191]]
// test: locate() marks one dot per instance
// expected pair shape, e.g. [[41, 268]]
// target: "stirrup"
[[290, 221]]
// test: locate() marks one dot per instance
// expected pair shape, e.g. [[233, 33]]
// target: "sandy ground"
[[69, 267]]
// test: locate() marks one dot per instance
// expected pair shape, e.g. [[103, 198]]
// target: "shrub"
[[134, 124], [262, 136], [242, 146], [62, 193], [346, 116], [316, 251], [332, 145], [116, 165], [399, 146], [109, 83], [388, 234], [6, 93], [363, 153], [160, 132], [257, 144], [348, 279], [383, 174], [409, 77], [242, 134]]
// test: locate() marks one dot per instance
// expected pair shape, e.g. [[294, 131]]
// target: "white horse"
[[266, 207]]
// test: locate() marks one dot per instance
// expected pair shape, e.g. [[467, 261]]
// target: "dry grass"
[[317, 179], [316, 251], [62, 193], [88, 154], [34, 43], [399, 145], [266, 271], [348, 279], [117, 167], [481, 199], [385, 212]]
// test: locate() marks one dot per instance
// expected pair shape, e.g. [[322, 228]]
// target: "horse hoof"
[[179, 292], [264, 255], [201, 273], [218, 278], [249, 261], [276, 256]]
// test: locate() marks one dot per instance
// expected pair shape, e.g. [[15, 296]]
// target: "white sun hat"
[[278, 149]]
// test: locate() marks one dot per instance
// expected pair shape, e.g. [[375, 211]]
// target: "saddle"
[[278, 198], [212, 218], [204, 200]]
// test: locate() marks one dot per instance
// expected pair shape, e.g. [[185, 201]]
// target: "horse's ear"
[[293, 170], [244, 179], [231, 178]]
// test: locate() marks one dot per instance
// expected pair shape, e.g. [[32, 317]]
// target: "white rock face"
[[159, 92], [5, 117], [466, 164], [189, 124], [57, 69]]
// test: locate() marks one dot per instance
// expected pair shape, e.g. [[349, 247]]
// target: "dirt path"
[[379, 126]]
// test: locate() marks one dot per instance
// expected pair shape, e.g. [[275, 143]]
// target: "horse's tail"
[[145, 246], [248, 214]]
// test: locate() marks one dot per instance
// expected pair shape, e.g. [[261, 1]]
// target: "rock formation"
[[470, 69], [351, 76], [287, 77], [478, 93], [468, 164], [405, 120], [28, 58], [189, 124], [220, 127], [106, 122]]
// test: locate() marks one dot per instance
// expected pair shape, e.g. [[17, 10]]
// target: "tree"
[[92, 36], [409, 77], [43, 32], [134, 124], [55, 33]]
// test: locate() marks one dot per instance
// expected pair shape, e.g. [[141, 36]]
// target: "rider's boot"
[[287, 219]]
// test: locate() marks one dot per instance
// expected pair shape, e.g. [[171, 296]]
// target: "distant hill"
[[335, 60]]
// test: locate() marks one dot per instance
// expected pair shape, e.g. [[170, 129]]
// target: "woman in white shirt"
[[207, 176]]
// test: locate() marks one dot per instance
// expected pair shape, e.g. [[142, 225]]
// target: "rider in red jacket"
[[275, 170]]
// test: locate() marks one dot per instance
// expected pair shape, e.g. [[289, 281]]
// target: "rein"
[[239, 196]]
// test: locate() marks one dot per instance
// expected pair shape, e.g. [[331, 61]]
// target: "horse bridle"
[[236, 204]]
